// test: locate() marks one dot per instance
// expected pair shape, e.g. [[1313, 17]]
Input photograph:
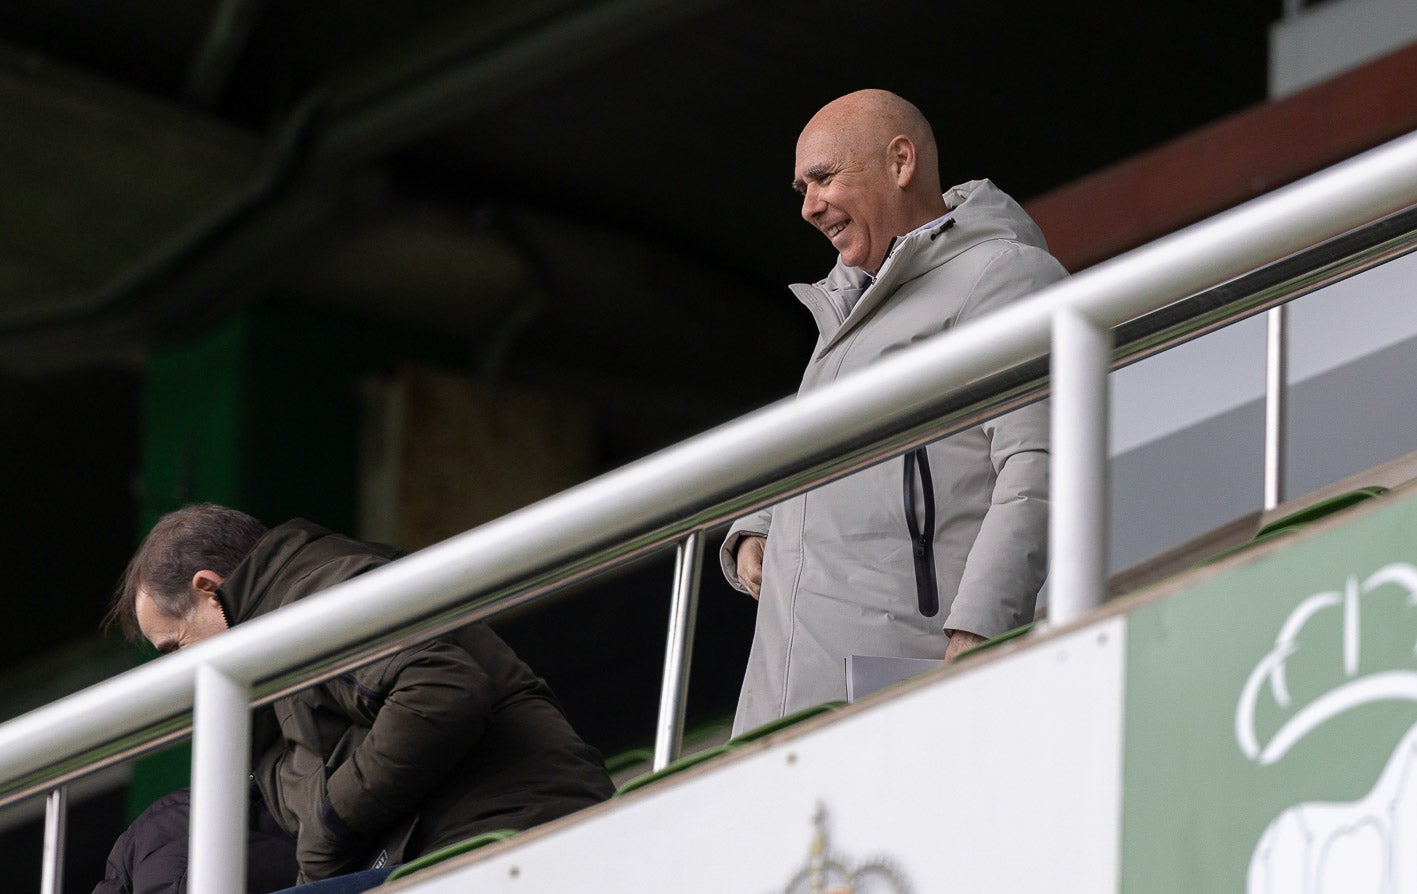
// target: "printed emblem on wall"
[[1368, 844], [828, 872], [1270, 725]]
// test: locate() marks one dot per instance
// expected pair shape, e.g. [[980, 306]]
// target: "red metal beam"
[[1225, 163]]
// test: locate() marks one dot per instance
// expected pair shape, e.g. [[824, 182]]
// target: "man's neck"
[[928, 222], [928, 208]]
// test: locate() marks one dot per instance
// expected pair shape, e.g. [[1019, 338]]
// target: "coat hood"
[[978, 212]]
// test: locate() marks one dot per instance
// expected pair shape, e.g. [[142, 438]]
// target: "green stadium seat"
[[1300, 518], [671, 769], [781, 723], [1001, 638], [699, 757], [618, 763], [447, 853], [1321, 509]]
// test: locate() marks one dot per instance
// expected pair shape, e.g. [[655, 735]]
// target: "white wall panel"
[[1002, 778]]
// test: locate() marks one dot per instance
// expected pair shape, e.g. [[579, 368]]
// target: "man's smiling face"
[[847, 192]]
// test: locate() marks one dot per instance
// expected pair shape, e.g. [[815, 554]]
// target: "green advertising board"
[[1271, 720]]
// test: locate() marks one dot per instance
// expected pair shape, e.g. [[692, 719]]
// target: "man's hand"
[[960, 641], [750, 563]]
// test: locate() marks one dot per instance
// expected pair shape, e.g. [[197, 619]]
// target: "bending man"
[[436, 744]]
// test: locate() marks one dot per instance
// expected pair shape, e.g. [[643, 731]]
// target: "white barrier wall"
[[950, 787], [1253, 727]]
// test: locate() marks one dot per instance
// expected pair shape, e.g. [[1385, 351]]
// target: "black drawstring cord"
[[941, 228]]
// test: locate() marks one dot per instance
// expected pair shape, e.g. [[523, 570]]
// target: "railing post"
[[1276, 401], [220, 747], [1077, 524], [679, 650], [56, 810]]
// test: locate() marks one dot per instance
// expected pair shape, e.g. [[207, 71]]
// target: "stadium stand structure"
[[1031, 764]]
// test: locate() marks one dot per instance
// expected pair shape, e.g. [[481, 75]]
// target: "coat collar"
[[251, 590], [978, 212]]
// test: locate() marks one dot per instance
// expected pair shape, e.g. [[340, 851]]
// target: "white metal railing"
[[941, 385]]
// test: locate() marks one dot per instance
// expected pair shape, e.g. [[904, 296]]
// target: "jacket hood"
[[281, 569], [978, 211]]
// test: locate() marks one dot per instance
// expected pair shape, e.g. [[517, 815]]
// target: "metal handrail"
[[940, 386]]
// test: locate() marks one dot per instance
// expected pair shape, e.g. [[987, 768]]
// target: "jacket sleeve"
[[162, 872], [1009, 558], [412, 716], [118, 873], [150, 857], [757, 523], [423, 708]]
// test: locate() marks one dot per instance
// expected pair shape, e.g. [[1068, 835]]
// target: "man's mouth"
[[834, 229]]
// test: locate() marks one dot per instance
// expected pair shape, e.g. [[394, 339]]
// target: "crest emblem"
[[828, 872], [1359, 845]]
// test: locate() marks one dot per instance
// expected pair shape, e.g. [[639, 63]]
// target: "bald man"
[[929, 554]]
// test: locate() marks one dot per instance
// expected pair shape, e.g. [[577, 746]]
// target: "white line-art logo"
[[1367, 846], [1388, 685], [830, 873], [1362, 847]]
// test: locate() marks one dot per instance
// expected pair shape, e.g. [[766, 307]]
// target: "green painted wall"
[[193, 419], [260, 413]]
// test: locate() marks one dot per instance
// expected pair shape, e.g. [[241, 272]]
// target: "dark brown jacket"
[[150, 857], [438, 743]]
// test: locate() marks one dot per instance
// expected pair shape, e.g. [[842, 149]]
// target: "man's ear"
[[206, 581], [902, 158]]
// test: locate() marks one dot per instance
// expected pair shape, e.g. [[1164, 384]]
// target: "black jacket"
[[150, 857], [438, 743]]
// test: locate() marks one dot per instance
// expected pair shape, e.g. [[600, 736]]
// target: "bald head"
[[868, 171], [870, 120]]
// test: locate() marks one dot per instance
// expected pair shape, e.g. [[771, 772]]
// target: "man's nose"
[[812, 204]]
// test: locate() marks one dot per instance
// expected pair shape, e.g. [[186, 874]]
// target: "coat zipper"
[[922, 541]]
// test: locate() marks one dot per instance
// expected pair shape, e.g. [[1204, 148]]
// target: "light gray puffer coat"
[[839, 575]]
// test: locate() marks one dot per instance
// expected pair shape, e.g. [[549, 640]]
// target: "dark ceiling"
[[542, 178], [591, 197], [588, 196]]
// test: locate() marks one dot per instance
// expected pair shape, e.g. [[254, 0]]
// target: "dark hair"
[[201, 537]]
